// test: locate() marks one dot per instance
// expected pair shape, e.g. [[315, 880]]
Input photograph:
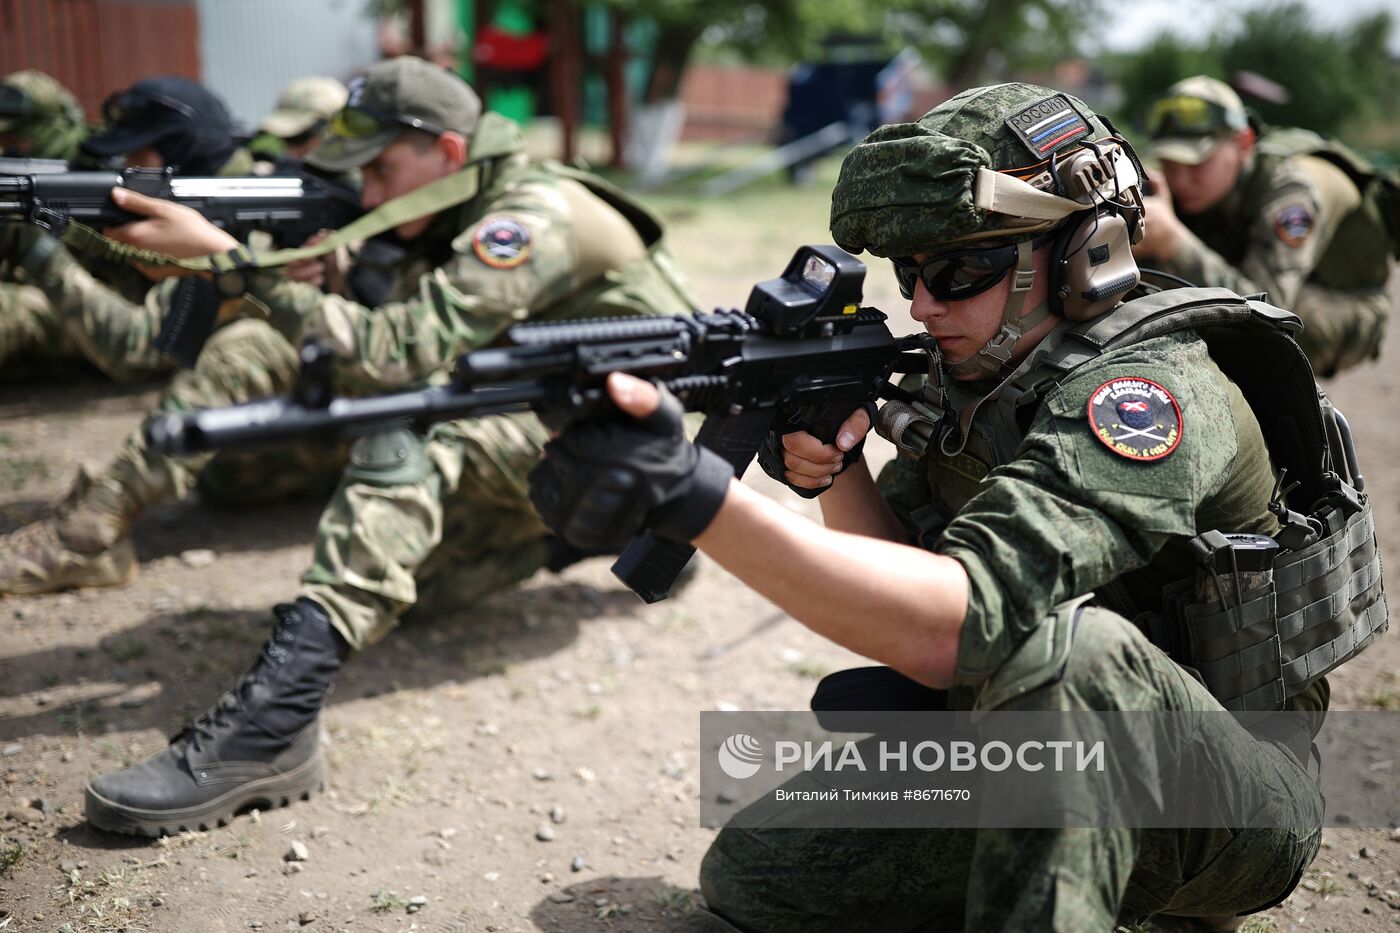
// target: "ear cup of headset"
[[1092, 266]]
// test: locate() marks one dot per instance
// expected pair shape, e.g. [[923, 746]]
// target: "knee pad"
[[394, 456]]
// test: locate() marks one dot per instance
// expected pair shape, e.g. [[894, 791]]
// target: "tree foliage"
[[965, 41], [1332, 78]]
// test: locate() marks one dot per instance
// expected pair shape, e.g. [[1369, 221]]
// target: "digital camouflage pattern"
[[1067, 880], [1296, 228], [1044, 515], [908, 187]]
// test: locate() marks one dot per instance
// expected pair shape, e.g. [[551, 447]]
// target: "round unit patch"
[[1294, 224], [502, 243], [1135, 418]]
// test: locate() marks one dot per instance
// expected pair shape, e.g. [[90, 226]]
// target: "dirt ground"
[[565, 709]]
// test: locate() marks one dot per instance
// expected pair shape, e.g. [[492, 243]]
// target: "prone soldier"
[[109, 311]]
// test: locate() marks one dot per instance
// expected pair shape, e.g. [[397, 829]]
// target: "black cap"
[[181, 119]]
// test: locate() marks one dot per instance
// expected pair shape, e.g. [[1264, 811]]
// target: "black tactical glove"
[[601, 482], [821, 424]]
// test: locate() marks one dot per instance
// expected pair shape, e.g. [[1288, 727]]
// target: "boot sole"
[[267, 793]]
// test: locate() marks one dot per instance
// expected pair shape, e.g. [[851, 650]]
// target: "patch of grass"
[[123, 650], [11, 854], [386, 901], [809, 668], [675, 901], [1259, 924], [236, 848], [1383, 699], [18, 472], [1328, 886], [104, 904], [80, 717]]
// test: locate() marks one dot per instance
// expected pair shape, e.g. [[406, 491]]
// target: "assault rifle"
[[23, 165], [289, 208], [802, 346]]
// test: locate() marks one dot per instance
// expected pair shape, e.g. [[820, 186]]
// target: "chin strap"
[[996, 354]]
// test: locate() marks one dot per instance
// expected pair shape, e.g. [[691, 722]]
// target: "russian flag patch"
[[1048, 125]]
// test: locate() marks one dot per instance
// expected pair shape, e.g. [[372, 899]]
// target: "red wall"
[[95, 47], [728, 104]]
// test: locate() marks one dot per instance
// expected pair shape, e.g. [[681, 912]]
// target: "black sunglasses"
[[960, 274]]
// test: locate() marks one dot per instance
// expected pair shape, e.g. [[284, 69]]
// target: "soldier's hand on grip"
[[603, 481], [807, 465]]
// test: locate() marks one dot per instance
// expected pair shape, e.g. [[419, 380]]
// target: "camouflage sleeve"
[[115, 333], [1285, 240], [515, 260], [1070, 514]]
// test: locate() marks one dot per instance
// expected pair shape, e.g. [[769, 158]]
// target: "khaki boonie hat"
[[1193, 117], [392, 96], [304, 103]]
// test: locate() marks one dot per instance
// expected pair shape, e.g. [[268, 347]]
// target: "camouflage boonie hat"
[[1192, 118], [392, 96], [909, 187], [37, 107], [304, 103]]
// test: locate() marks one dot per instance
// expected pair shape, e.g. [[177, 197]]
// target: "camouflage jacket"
[[539, 241], [1064, 514], [1290, 220]]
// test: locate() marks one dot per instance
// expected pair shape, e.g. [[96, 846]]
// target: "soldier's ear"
[[453, 147], [1247, 138]]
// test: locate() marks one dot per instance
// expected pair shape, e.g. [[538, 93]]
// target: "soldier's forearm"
[[901, 605]]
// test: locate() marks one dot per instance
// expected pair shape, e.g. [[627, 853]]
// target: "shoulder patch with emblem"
[[1135, 418], [1048, 125], [1294, 225], [502, 243]]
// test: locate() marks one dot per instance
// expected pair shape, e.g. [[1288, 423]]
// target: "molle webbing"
[[1326, 600], [1325, 604]]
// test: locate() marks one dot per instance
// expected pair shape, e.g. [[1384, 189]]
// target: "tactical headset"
[[1091, 261]]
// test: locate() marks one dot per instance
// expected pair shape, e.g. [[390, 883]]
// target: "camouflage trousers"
[[31, 335], [444, 524], [96, 325], [449, 521], [893, 880], [1341, 328], [244, 361]]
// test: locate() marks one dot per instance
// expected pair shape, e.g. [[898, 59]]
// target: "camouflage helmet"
[[37, 108], [303, 104], [909, 187]]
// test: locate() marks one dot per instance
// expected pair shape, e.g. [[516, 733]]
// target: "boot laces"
[[209, 724]]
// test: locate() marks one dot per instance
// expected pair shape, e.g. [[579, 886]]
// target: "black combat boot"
[[258, 746]]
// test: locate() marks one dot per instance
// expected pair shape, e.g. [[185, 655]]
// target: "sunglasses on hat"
[[959, 274], [1187, 116], [359, 123]]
